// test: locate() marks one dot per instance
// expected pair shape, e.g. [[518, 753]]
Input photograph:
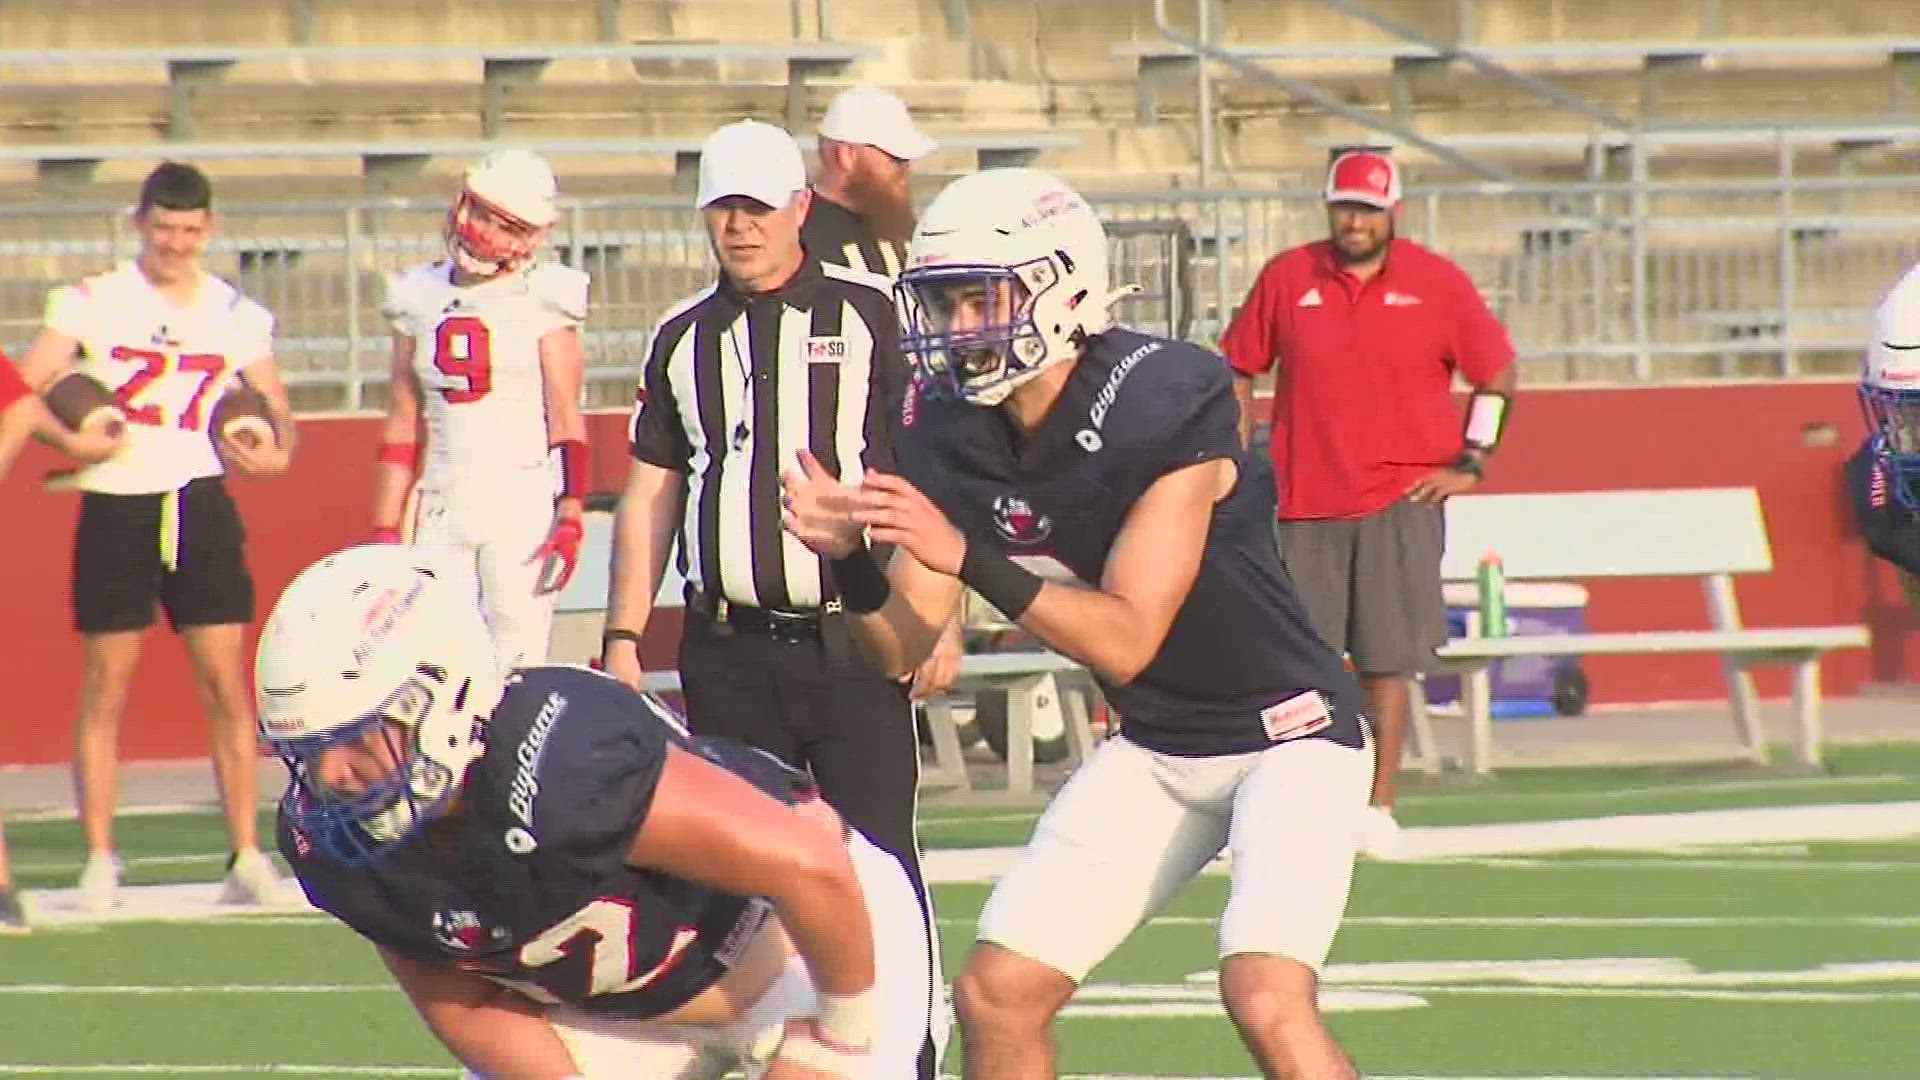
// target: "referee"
[[781, 352]]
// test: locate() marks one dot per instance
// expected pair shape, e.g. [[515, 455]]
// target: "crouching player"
[[563, 882]]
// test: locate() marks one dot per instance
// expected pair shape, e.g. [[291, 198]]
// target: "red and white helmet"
[[505, 208]]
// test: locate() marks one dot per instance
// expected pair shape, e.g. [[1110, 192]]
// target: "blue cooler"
[[1523, 686]]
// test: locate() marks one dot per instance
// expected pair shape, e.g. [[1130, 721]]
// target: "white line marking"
[[1709, 864], [1525, 922]]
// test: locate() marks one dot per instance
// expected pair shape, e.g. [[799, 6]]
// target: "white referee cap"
[[753, 159]]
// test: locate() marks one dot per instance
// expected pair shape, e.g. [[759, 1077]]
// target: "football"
[[82, 403], [242, 414]]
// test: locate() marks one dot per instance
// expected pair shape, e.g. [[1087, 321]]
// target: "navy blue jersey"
[[1890, 529], [1241, 666], [530, 886]]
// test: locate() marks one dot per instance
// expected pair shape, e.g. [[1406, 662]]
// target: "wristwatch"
[[1471, 465]]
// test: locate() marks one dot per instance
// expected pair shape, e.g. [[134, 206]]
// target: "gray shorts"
[[1371, 585]]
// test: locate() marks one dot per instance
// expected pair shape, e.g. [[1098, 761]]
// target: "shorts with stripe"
[[119, 571]]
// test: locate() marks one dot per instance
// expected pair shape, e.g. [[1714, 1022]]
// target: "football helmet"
[[503, 212], [1006, 276], [383, 640], [1890, 388]]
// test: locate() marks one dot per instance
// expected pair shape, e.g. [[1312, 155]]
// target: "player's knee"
[[1001, 988], [1268, 992]]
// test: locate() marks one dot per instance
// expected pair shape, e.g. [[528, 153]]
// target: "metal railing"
[[1597, 283]]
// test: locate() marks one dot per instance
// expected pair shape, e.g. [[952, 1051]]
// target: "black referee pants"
[[824, 710]]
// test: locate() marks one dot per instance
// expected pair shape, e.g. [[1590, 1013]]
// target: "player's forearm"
[[18, 422], [1243, 394], [825, 914], [504, 1037], [390, 486], [896, 639], [1101, 630]]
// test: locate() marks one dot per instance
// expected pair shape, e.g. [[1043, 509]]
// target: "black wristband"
[[613, 634], [1471, 465], [999, 580], [863, 587]]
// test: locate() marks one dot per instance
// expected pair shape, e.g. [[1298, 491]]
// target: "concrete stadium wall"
[[1788, 441]]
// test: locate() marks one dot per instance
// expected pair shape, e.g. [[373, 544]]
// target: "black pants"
[[822, 709]]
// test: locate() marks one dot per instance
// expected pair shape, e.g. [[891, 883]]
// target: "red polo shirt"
[[1362, 403], [12, 387]]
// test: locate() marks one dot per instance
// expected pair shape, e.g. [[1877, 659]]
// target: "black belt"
[[781, 623]]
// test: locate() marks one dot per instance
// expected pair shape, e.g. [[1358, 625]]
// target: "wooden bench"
[[580, 615], [1708, 533]]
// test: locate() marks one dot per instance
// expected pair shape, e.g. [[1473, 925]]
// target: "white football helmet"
[[1038, 253], [1890, 387], [379, 638], [505, 207]]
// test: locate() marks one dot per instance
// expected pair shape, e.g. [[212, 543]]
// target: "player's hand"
[[558, 555], [1441, 485], [96, 443], [895, 512], [937, 671], [256, 462], [806, 1054], [818, 509], [384, 534]]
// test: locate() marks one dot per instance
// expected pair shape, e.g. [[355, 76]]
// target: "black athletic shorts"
[[118, 574]]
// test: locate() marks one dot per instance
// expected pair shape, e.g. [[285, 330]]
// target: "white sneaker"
[[252, 879], [1379, 833], [100, 882]]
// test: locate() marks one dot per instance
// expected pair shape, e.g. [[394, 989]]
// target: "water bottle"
[[1492, 579]]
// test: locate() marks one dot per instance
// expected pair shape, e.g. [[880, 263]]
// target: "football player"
[[564, 882], [484, 402], [1088, 481], [1883, 476], [156, 521]]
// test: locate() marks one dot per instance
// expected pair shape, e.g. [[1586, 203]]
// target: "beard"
[[888, 210]]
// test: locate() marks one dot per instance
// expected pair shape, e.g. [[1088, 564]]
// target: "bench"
[[580, 614], [1708, 533]]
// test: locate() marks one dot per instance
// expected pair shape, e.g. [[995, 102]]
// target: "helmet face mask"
[[1006, 277], [970, 329], [503, 213], [376, 674]]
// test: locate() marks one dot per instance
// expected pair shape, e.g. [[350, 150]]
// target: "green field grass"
[[1788, 960]]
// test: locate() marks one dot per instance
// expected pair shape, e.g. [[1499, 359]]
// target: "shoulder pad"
[[562, 290]]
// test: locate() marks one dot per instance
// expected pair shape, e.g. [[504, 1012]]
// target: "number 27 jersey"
[[476, 354]]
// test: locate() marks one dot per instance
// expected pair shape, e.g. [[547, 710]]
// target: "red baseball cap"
[[1366, 177]]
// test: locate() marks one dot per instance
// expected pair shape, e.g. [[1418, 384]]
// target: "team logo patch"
[[1016, 520], [826, 350], [1297, 717], [465, 932]]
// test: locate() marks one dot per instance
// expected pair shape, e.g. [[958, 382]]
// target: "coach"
[[1365, 333]]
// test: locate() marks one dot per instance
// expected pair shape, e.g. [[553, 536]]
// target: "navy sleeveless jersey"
[[1241, 667], [534, 890]]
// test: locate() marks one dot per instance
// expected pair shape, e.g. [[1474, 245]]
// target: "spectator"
[[1365, 332], [156, 522], [781, 353]]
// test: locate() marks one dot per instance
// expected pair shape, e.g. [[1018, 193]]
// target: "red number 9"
[[463, 348]]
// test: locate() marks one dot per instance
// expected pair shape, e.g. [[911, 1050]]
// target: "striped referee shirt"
[[734, 385], [836, 234]]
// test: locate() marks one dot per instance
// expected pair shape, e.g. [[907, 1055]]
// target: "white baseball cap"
[[870, 116], [753, 159]]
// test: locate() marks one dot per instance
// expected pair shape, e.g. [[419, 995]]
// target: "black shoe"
[[13, 919]]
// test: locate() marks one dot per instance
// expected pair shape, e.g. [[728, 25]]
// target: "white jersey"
[[476, 353], [167, 364]]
